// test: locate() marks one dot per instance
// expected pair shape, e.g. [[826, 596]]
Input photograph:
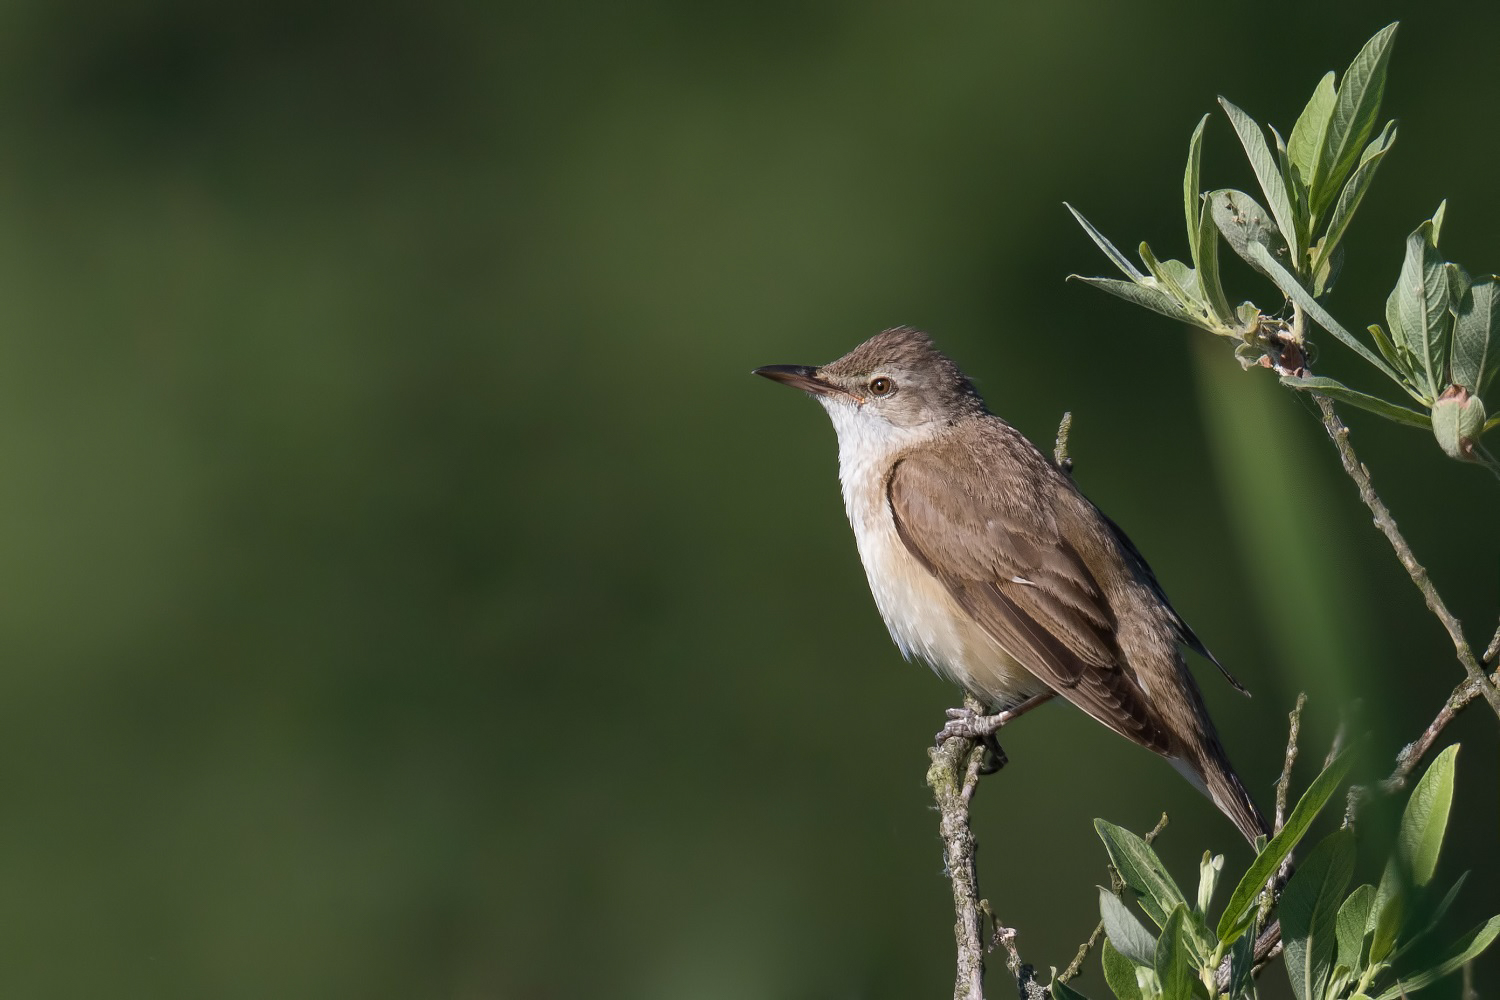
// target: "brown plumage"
[[986, 561]]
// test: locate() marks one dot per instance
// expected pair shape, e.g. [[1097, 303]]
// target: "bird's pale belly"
[[925, 621]]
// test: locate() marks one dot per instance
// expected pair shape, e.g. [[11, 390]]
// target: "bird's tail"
[[1217, 779]]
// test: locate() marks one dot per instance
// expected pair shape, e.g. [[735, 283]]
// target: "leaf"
[[1309, 913], [1174, 969], [1476, 352], [1468, 948], [1431, 920], [1353, 193], [1175, 279], [1306, 140], [1374, 404], [1148, 296], [1355, 108], [1242, 903], [1268, 173], [1125, 931], [1062, 991], [1294, 291], [1425, 819], [1354, 916], [1386, 914], [1421, 305], [1119, 973], [1388, 350], [1192, 200], [1245, 225], [1241, 965], [1110, 250], [1208, 273], [1209, 871], [1141, 869]]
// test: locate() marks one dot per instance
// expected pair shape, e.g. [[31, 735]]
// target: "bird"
[[988, 563]]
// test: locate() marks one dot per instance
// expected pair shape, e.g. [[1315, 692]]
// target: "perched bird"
[[987, 562]]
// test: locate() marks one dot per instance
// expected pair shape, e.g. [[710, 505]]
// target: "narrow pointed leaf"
[[1209, 871], [1356, 107], [1268, 173], [1147, 296], [1309, 913], [1141, 869], [1353, 918], [1208, 273], [1476, 337], [1344, 394], [1242, 902], [1174, 278], [1425, 818], [1354, 192], [1289, 286], [1110, 250], [1469, 947], [1306, 140], [1192, 201], [1125, 931], [1174, 969], [1422, 304], [1387, 913], [1119, 973], [1431, 920]]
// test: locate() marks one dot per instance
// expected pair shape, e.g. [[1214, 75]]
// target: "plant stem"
[[1387, 525], [953, 777]]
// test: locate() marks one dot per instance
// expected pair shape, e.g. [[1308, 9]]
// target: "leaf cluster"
[[1339, 944], [1441, 341]]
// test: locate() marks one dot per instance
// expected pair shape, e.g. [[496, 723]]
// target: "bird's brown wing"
[[1000, 554]]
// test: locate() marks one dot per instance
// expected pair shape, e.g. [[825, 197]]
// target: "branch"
[[1118, 885], [953, 778], [1387, 525], [1060, 450], [1294, 730]]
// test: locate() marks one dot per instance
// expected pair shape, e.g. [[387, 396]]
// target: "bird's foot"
[[967, 724]]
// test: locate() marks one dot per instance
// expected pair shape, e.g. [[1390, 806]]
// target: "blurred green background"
[[409, 592]]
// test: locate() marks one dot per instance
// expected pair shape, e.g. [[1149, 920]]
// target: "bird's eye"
[[881, 386]]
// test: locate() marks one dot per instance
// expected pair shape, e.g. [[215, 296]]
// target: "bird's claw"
[[967, 724]]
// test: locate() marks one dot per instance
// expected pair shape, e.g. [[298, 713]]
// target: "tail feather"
[[1233, 800]]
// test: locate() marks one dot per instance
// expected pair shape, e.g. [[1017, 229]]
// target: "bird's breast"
[[923, 618]]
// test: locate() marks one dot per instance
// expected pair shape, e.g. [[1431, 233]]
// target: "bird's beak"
[[800, 377]]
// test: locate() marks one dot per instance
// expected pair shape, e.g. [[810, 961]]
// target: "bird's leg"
[[965, 723]]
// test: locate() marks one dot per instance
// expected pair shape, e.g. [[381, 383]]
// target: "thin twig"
[[1118, 884], [1492, 651], [1294, 730], [1387, 525], [953, 778], [1060, 450]]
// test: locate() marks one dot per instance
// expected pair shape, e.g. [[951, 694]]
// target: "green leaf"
[[1119, 973], [1469, 947], [1148, 296], [1236, 916], [1208, 273], [1354, 916], [1356, 106], [1125, 931], [1174, 277], [1425, 819], [1431, 920], [1421, 305], [1192, 200], [1342, 393], [1245, 225], [1294, 291], [1062, 991], [1309, 913], [1386, 914], [1388, 350], [1174, 968], [1141, 869], [1476, 337], [1307, 136], [1268, 173], [1209, 871], [1110, 250], [1353, 193]]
